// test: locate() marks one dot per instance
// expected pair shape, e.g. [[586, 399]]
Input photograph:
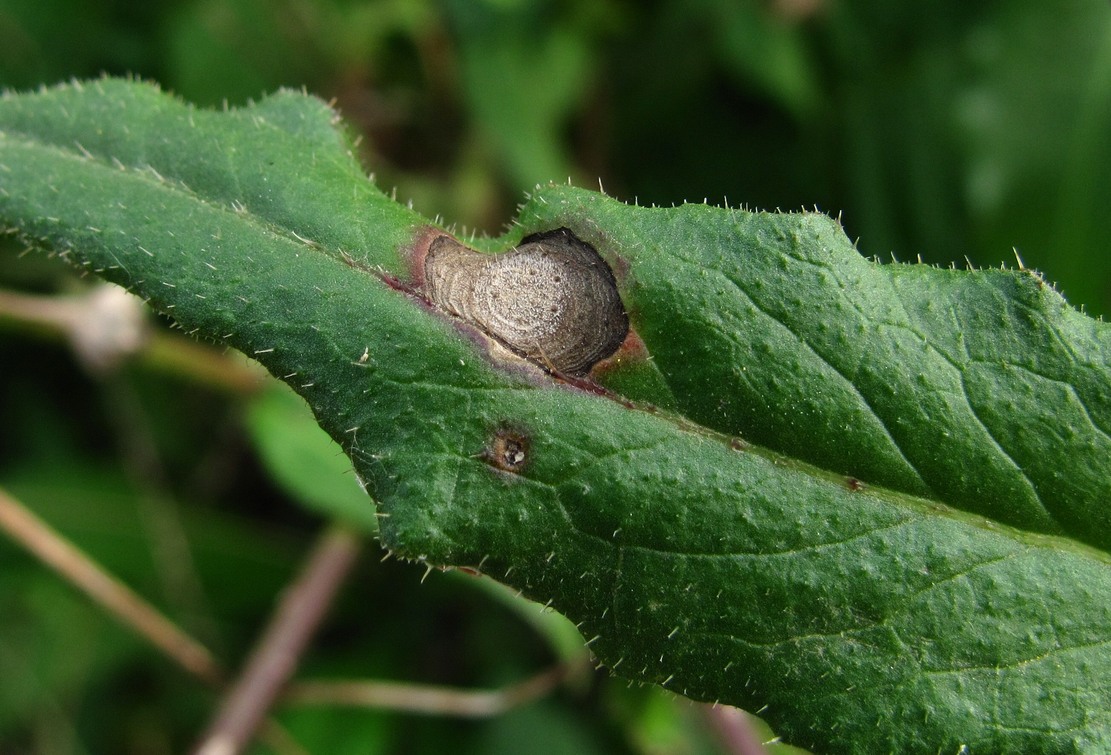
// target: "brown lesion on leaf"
[[551, 300], [612, 342], [508, 449]]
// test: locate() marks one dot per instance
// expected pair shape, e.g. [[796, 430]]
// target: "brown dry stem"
[[282, 644], [117, 598]]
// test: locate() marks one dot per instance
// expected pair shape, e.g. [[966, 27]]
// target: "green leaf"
[[906, 552], [983, 390]]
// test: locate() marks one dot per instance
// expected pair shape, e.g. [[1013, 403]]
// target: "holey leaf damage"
[[908, 550]]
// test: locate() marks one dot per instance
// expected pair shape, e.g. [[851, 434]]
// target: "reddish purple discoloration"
[[631, 351], [415, 254]]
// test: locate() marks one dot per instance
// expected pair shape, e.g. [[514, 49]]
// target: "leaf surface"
[[906, 551]]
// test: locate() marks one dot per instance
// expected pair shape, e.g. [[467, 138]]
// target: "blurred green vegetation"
[[949, 131]]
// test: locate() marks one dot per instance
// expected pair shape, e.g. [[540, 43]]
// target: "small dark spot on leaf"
[[508, 449], [854, 484], [737, 444]]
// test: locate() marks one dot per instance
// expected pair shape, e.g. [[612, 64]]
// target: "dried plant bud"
[[108, 325], [552, 299]]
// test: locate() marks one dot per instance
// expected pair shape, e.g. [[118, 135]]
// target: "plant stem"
[[426, 699], [57, 317], [278, 651], [117, 598]]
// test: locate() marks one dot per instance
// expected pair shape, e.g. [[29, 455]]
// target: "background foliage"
[[948, 130]]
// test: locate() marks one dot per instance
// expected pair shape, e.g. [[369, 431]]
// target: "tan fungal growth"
[[551, 299]]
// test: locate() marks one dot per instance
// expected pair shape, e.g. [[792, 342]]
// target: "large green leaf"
[[982, 390], [906, 551]]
